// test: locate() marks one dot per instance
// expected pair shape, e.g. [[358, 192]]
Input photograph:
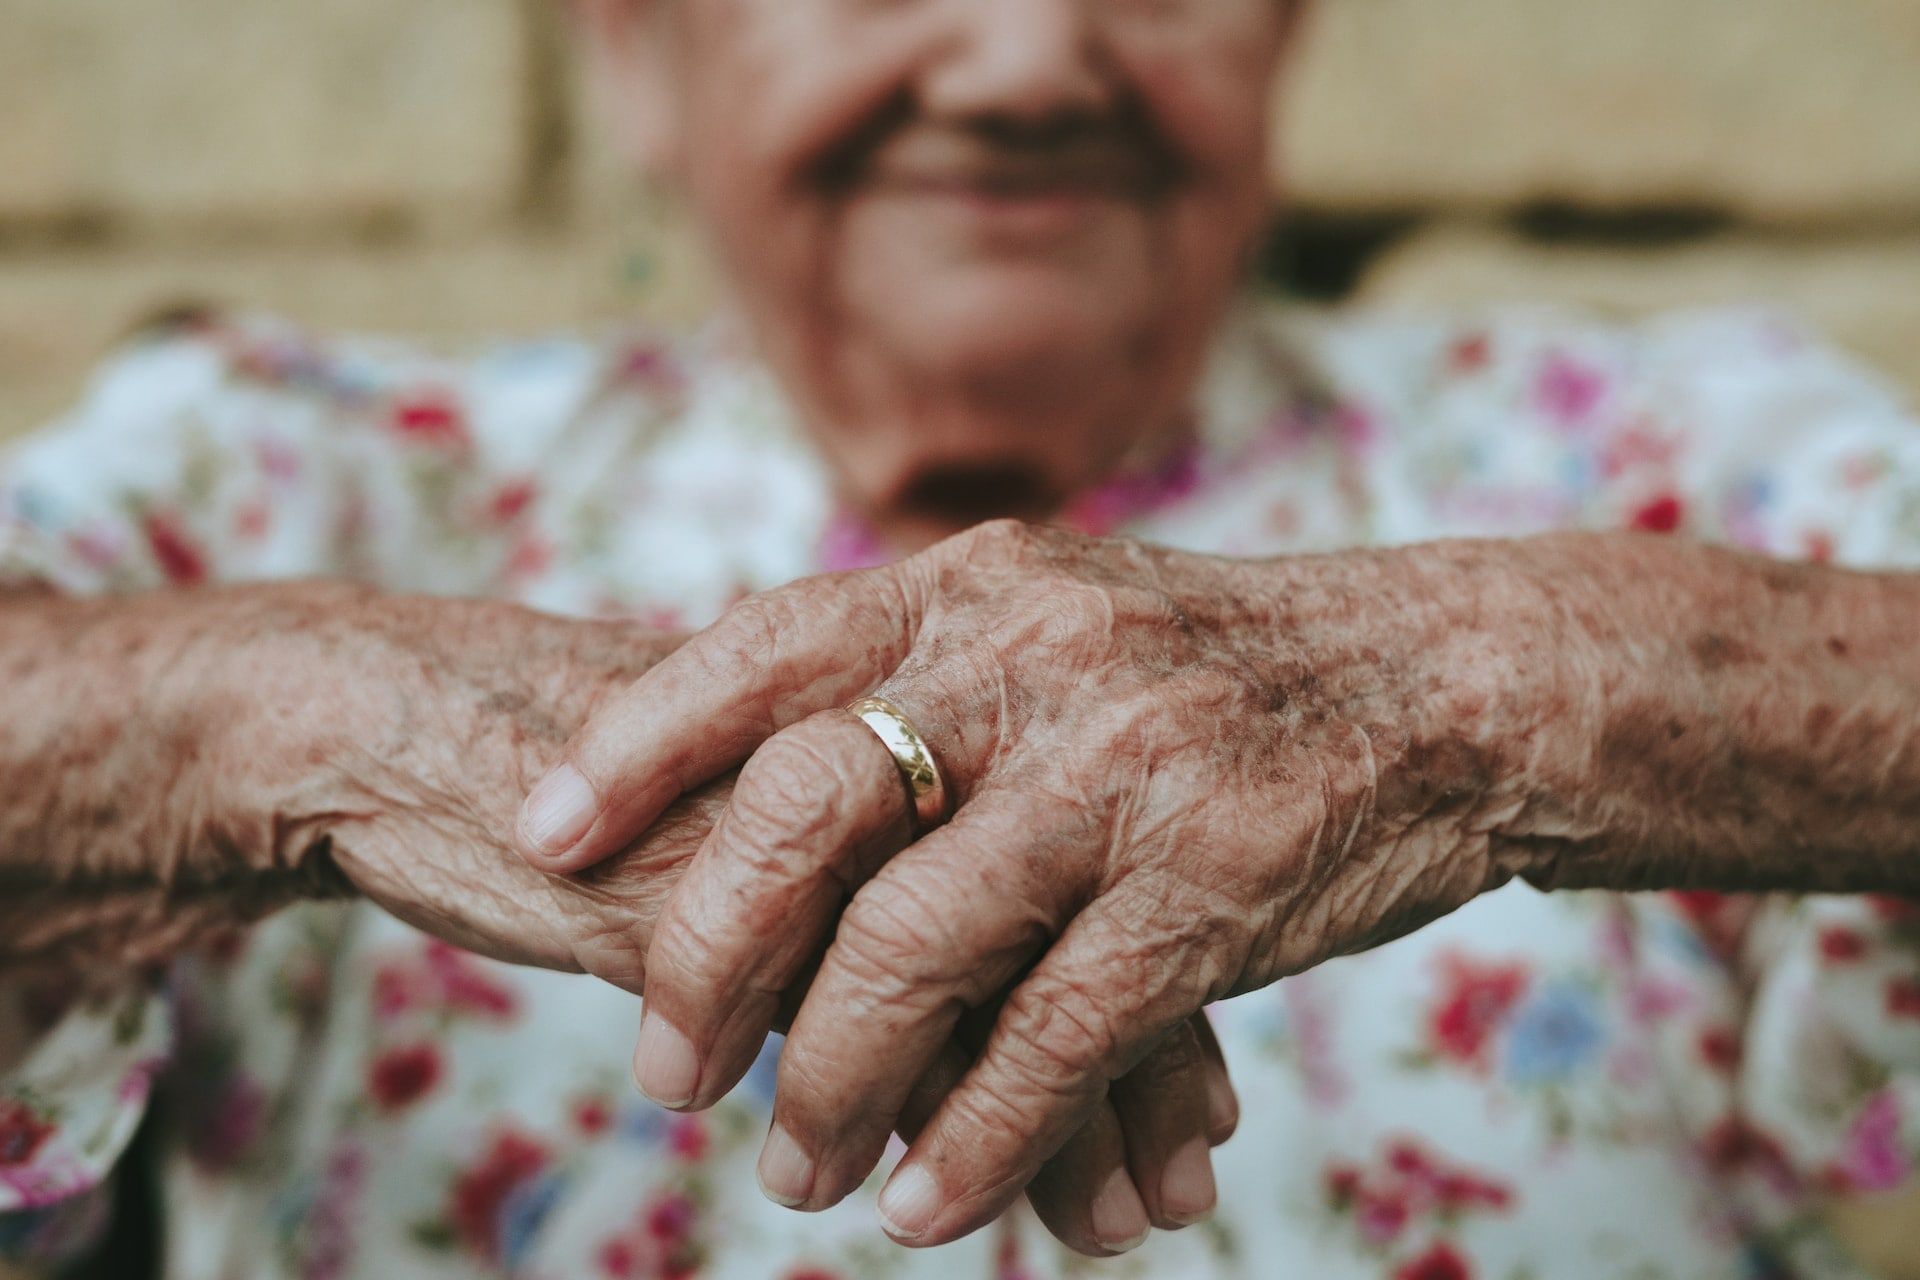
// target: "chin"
[[1026, 325]]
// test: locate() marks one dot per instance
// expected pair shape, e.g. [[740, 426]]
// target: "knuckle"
[[1060, 1035], [789, 785], [801, 801], [683, 953], [998, 539], [996, 1117], [748, 630], [807, 1085], [890, 933], [752, 632]]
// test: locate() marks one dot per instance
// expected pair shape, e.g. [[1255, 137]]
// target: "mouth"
[[1000, 166]]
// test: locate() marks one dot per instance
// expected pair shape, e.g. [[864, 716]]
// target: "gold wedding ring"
[[918, 769]]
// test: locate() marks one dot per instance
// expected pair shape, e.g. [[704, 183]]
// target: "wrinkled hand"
[[1177, 778], [429, 718]]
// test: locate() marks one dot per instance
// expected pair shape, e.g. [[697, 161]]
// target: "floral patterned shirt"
[[1536, 1086]]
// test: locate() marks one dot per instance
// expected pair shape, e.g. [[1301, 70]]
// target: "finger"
[[815, 811], [1085, 1015], [1162, 1109], [768, 662], [1223, 1103], [941, 929], [1085, 1195], [607, 915]]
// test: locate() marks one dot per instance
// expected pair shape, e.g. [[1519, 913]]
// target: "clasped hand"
[[1175, 778]]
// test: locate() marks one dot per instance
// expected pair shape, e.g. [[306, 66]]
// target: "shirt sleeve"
[[1797, 1069], [211, 451], [1756, 435], [234, 450]]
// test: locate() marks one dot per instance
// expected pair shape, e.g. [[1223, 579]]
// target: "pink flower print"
[[397, 990], [1642, 446], [650, 368], [1651, 1000], [659, 1244], [529, 558], [178, 555], [1872, 1157], [849, 542], [592, 1117], [618, 1259], [1470, 353], [23, 1132], [1475, 1001], [328, 1232], [400, 1077], [1407, 1185], [438, 978], [1663, 514], [1356, 427], [1008, 1263], [1567, 392], [510, 501], [510, 1161], [98, 546], [1450, 1188], [1735, 1145], [1720, 1049], [670, 1218], [1903, 998], [465, 985], [1441, 1262], [1104, 508], [431, 419], [687, 1137], [251, 521], [1839, 944], [276, 459]]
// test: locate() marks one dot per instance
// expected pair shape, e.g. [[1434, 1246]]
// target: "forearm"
[[1743, 724], [124, 830]]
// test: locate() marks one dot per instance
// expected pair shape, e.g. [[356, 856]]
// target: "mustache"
[[1119, 152]]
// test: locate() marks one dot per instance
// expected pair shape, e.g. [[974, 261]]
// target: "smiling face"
[[984, 243]]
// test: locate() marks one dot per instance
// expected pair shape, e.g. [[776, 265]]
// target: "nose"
[[1021, 61]]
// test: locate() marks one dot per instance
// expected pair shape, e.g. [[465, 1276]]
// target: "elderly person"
[[986, 256]]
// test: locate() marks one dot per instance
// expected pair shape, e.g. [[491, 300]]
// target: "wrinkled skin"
[[323, 740], [1177, 778]]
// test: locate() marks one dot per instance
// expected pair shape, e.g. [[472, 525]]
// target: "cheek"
[[1211, 95], [780, 84]]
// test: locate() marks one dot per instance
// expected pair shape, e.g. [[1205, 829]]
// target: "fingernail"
[[1223, 1106], [664, 1063], [786, 1173], [558, 812], [1187, 1191], [1119, 1218], [909, 1202]]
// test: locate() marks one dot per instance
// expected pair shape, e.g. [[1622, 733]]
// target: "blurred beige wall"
[[428, 167]]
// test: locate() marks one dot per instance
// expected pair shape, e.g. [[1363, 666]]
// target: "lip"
[[1008, 215], [1017, 208]]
